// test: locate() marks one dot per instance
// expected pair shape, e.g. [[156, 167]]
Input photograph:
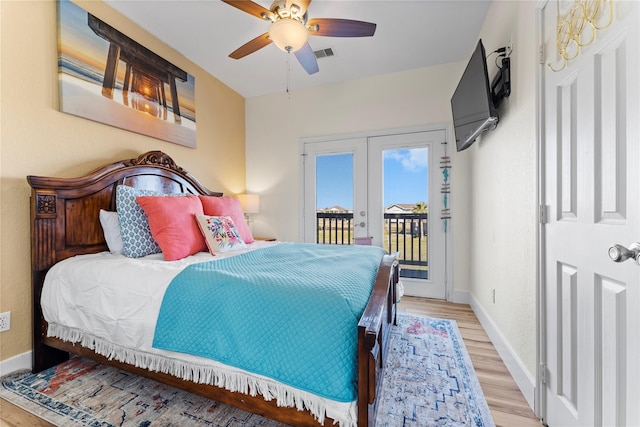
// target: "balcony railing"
[[405, 233], [334, 228]]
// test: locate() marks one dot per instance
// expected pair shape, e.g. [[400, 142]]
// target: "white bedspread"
[[110, 303]]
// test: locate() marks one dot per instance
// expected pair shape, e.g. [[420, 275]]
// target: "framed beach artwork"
[[107, 77]]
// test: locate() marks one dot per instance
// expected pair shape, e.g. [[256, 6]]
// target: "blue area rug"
[[429, 381]]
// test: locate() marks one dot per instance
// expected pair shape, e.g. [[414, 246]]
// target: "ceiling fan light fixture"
[[288, 34]]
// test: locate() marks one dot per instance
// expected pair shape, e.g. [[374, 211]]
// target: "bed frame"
[[65, 222]]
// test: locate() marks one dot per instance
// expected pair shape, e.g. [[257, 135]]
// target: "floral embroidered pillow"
[[228, 206], [220, 233]]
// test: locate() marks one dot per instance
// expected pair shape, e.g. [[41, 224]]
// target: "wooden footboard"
[[65, 223], [373, 339]]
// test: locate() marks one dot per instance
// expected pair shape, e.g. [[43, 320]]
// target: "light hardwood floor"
[[508, 406]]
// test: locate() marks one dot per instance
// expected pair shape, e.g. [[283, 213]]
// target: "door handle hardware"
[[619, 253]]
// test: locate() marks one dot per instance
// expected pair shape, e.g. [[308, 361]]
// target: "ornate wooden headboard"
[[65, 211]]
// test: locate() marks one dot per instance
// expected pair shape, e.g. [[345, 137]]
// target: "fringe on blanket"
[[220, 376]]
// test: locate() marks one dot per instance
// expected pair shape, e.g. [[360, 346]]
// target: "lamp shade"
[[250, 203], [288, 34]]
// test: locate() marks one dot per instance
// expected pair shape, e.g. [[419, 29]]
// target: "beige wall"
[[503, 188], [36, 139]]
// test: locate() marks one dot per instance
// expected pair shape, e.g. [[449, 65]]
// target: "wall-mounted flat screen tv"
[[471, 104]]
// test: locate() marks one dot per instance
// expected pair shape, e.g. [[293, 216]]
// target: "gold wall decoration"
[[577, 27]]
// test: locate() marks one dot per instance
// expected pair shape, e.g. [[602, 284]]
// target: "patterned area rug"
[[429, 381]]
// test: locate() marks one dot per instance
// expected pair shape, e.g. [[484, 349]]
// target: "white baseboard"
[[461, 297], [16, 363], [525, 382]]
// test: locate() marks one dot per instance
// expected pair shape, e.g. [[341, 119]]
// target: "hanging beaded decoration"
[[445, 165]]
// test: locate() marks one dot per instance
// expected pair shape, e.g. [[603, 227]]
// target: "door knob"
[[619, 253]]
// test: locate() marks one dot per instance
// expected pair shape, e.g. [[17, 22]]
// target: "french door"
[[381, 190], [335, 191], [590, 374]]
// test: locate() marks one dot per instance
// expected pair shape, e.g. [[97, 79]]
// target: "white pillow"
[[111, 229]]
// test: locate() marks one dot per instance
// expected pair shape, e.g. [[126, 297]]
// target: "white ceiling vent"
[[324, 53]]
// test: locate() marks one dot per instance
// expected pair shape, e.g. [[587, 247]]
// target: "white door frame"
[[539, 406], [449, 279]]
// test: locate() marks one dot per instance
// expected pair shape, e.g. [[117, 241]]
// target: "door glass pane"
[[406, 206], [334, 199]]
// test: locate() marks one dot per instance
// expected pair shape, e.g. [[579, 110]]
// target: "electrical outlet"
[[509, 47], [5, 321]]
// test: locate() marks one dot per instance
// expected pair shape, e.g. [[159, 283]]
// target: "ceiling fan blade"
[[250, 7], [307, 59], [250, 47], [341, 27]]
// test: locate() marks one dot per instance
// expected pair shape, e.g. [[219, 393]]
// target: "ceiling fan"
[[290, 29]]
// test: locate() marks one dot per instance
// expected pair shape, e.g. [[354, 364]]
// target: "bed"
[[65, 223]]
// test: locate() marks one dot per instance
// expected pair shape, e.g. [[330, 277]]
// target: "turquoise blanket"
[[289, 312]]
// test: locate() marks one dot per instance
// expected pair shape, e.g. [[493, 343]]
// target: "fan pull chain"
[[288, 72]]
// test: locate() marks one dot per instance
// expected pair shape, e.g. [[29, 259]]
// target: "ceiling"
[[410, 34]]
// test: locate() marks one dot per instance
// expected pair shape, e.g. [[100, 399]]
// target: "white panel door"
[[592, 191]]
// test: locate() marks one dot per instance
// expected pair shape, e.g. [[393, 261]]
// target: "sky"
[[405, 178]]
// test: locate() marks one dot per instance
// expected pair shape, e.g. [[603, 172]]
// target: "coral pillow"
[[220, 233], [228, 206], [173, 224]]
